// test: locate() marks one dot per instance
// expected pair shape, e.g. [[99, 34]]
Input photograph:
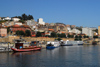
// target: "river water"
[[66, 56]]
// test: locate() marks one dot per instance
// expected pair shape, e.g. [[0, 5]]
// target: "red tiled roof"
[[81, 34], [25, 25], [46, 33], [62, 32], [19, 26], [51, 29], [2, 27], [16, 25], [33, 35]]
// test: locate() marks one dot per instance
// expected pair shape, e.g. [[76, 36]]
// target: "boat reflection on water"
[[24, 53]]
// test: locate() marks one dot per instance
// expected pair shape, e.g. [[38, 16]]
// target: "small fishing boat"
[[19, 46], [52, 44]]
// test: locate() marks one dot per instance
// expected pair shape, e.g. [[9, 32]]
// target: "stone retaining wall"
[[29, 39]]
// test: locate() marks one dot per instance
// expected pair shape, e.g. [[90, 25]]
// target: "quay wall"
[[29, 39]]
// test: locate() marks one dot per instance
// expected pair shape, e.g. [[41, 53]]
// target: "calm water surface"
[[67, 56]]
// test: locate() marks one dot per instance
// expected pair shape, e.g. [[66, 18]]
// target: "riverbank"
[[29, 39]]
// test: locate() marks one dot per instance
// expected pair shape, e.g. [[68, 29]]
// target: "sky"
[[84, 13]]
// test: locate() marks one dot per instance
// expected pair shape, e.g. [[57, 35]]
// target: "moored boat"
[[80, 42], [71, 43], [26, 49], [94, 43], [52, 44], [66, 43], [20, 48]]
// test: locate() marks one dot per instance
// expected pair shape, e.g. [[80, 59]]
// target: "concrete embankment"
[[29, 39]]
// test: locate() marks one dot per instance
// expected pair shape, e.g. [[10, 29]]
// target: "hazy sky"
[[84, 13]]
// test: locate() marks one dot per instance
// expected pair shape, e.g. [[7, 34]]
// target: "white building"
[[69, 29], [31, 22], [52, 24], [76, 31], [17, 23], [40, 21], [88, 31], [15, 19], [7, 18]]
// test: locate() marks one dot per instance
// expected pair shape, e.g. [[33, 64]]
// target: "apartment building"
[[99, 30], [40, 21], [15, 19], [88, 31], [3, 31]]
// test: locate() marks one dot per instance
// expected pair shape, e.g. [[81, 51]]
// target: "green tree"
[[85, 36], [58, 35], [1, 21], [19, 17], [22, 21], [68, 35], [20, 33], [79, 28], [30, 17], [58, 39], [38, 34], [95, 36], [96, 30], [62, 35], [24, 16], [76, 36], [53, 34], [71, 36], [76, 39], [27, 33], [8, 29], [80, 36]]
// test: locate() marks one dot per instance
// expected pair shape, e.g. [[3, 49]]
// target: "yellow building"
[[3, 31], [62, 29], [99, 30]]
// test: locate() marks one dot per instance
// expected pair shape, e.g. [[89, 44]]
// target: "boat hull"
[[80, 44], [52, 44], [50, 47], [25, 50], [67, 45]]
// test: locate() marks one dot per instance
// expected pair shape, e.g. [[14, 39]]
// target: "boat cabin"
[[34, 43], [18, 43]]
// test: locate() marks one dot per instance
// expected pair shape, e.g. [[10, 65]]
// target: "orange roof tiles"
[[62, 32], [33, 35], [46, 33], [16, 25], [25, 25], [51, 29]]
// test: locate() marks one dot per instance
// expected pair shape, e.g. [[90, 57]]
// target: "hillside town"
[[50, 33], [11, 26], [26, 26]]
